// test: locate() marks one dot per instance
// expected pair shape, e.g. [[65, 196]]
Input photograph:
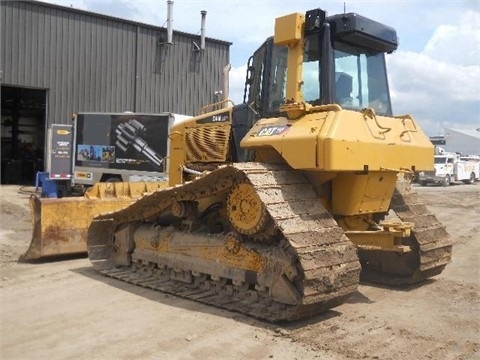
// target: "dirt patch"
[[64, 309]]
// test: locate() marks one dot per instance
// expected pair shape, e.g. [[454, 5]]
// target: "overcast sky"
[[434, 75]]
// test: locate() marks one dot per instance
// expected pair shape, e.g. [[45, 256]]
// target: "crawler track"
[[431, 245], [309, 252]]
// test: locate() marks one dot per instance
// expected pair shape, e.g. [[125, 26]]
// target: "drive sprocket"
[[245, 210]]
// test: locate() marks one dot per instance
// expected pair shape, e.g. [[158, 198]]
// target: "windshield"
[[360, 82], [360, 79], [440, 160]]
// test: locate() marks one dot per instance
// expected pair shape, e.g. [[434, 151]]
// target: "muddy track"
[[323, 267], [431, 244]]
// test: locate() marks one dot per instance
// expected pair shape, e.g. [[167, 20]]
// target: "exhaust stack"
[[202, 30], [169, 21]]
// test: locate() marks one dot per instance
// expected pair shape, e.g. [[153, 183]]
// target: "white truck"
[[450, 168]]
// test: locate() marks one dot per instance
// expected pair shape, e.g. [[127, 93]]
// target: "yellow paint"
[[350, 137], [76, 213], [245, 209], [169, 241], [179, 147], [82, 175], [362, 193], [63, 132], [388, 238], [121, 190], [378, 240], [288, 32], [60, 225], [288, 29], [340, 140]]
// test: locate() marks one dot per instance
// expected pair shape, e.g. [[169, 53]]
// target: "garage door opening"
[[23, 114]]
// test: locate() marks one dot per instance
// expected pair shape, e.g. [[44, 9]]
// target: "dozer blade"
[[60, 225]]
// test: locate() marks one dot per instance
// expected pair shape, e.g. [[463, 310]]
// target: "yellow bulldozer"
[[276, 207]]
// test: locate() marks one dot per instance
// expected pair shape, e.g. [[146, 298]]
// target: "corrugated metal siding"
[[467, 143], [174, 77], [95, 63]]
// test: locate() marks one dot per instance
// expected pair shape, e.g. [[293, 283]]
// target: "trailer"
[[121, 147], [111, 160], [106, 147]]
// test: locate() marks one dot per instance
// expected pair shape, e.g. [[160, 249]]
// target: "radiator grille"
[[207, 143]]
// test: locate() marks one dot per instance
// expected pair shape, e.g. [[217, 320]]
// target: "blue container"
[[49, 187]]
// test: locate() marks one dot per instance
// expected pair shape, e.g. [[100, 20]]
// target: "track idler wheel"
[[245, 210]]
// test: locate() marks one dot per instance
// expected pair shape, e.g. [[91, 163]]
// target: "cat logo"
[[273, 130], [63, 132]]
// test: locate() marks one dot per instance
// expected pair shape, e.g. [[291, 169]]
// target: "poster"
[[135, 142], [61, 152]]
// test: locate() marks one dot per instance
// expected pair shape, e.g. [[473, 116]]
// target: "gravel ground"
[[64, 310]]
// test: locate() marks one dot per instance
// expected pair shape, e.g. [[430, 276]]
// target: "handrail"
[[369, 112], [211, 107], [404, 118]]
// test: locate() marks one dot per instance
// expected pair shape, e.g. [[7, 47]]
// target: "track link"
[[431, 244], [322, 258]]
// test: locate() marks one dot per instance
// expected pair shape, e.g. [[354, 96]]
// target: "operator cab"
[[343, 63]]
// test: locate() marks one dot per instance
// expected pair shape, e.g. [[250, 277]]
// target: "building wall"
[[91, 62], [467, 143]]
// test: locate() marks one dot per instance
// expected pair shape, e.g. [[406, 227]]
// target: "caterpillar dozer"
[[278, 206]]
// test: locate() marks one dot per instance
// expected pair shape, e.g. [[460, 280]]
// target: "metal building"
[[463, 141], [56, 61]]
